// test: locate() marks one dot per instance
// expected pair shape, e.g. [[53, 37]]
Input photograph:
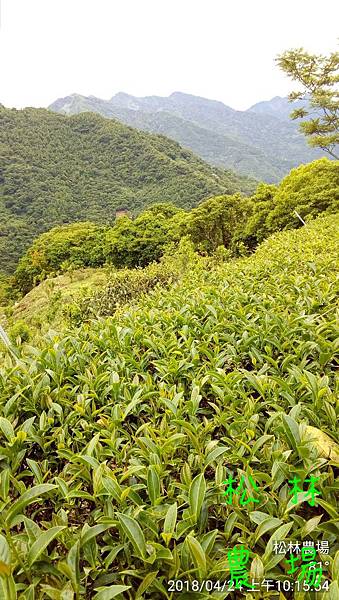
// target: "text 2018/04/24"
[[209, 585]]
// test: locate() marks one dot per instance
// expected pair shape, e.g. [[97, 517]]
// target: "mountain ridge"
[[261, 142]]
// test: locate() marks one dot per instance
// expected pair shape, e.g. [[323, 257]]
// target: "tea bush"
[[116, 438]]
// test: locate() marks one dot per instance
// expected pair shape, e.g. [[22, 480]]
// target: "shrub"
[[76, 245], [126, 285], [216, 222]]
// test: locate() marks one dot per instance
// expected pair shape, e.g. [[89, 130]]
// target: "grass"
[[43, 307], [116, 437]]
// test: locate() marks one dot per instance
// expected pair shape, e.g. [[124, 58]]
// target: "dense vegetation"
[[310, 190], [57, 170], [236, 222], [261, 141], [116, 438]]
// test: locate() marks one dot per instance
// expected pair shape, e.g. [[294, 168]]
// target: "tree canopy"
[[310, 190], [319, 78]]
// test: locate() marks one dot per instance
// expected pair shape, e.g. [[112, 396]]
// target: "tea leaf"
[[197, 554], [110, 592], [170, 523], [7, 428], [42, 542], [153, 484], [196, 495], [5, 557], [291, 430], [134, 533], [27, 498], [145, 584]]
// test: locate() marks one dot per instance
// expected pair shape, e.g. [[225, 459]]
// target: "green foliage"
[[216, 222], [261, 204], [124, 286], [116, 438], [236, 222], [57, 170], [319, 77], [46, 305], [129, 243], [222, 254], [7, 291], [138, 242], [310, 190], [60, 249]]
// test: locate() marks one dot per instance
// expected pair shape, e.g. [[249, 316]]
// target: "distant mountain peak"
[[193, 98], [121, 95], [75, 95], [182, 95], [278, 107]]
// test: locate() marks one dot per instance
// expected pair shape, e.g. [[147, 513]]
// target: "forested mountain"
[[262, 141], [56, 169]]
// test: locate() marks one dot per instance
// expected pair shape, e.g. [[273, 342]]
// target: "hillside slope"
[[120, 439], [56, 169], [259, 142], [44, 306]]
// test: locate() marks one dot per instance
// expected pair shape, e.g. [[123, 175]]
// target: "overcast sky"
[[220, 49]]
